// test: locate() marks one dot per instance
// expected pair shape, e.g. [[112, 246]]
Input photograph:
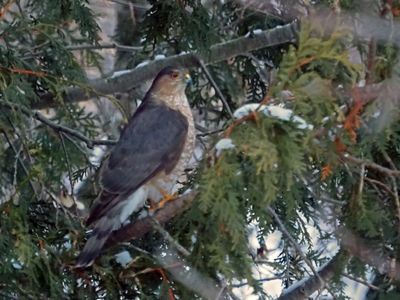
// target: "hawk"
[[152, 152]]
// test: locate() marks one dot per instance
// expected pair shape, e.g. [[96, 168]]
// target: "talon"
[[166, 198]]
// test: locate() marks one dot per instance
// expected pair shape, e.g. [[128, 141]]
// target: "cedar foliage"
[[299, 173]]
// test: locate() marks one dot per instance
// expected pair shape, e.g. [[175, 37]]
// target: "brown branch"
[[139, 228], [371, 165], [362, 249], [218, 52]]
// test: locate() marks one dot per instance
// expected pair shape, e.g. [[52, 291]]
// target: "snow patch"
[[123, 258], [159, 57], [272, 111], [120, 73], [224, 144]]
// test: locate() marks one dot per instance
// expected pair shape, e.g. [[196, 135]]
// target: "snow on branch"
[[218, 52]]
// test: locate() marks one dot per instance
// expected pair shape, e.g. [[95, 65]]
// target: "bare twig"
[[90, 143], [381, 184], [370, 164], [216, 87]]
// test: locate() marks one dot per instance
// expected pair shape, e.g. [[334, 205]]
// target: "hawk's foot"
[[166, 198]]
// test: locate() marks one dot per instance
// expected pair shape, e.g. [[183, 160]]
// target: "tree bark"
[[129, 79]]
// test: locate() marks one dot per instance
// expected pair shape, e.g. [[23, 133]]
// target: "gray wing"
[[152, 142]]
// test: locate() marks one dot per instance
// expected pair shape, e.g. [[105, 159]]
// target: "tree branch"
[[362, 249], [371, 165], [139, 228], [218, 52], [90, 143], [304, 289], [216, 87]]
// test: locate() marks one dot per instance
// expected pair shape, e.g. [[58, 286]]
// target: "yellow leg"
[[166, 197]]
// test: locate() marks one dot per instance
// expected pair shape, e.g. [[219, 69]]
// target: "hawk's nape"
[[151, 154]]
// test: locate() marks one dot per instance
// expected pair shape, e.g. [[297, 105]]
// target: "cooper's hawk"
[[151, 154]]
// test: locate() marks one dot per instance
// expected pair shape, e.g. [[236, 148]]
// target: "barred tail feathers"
[[109, 222], [95, 243]]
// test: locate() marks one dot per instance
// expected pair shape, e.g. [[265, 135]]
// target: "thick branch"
[[139, 228], [362, 249], [219, 52]]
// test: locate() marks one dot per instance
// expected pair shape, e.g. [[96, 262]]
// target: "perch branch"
[[139, 228]]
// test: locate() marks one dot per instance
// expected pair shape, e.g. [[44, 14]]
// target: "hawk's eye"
[[174, 75]]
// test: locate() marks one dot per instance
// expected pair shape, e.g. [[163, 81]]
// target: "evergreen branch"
[[90, 143], [362, 249], [21, 162], [8, 296], [216, 87], [304, 289], [285, 232], [371, 165], [139, 228], [69, 168], [218, 52]]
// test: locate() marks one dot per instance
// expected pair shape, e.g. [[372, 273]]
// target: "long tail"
[[93, 247], [111, 218]]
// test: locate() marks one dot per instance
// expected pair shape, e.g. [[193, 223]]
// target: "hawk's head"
[[171, 80]]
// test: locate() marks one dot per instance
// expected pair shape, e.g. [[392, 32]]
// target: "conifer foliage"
[[298, 137]]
